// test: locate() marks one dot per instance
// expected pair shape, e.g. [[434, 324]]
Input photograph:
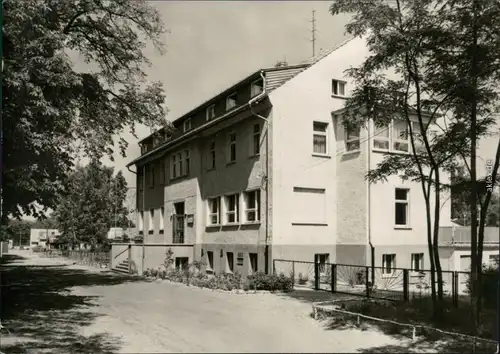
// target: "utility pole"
[[313, 32]]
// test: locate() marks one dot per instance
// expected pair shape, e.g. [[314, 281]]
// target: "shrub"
[[303, 279], [147, 272], [271, 282], [489, 286]]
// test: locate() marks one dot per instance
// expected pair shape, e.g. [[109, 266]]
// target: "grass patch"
[[419, 312]]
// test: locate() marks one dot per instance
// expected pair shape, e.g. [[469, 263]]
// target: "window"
[[231, 147], [180, 164], [252, 206], [381, 139], [214, 211], [319, 138], [240, 259], [210, 260], [211, 156], [254, 266], [178, 223], [181, 263], [174, 167], [230, 261], [400, 136], [187, 125], [255, 142], [398, 99], [417, 262], [231, 101], [417, 136], [388, 264], [162, 220], [232, 209], [338, 88], [140, 222], [210, 113], [257, 88], [402, 204], [151, 220], [186, 163], [352, 141], [494, 260]]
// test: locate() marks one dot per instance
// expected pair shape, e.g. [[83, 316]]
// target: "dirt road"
[[48, 306]]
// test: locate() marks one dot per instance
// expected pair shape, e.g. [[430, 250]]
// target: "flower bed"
[[231, 282]]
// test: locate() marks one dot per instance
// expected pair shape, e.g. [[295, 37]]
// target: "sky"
[[212, 45]]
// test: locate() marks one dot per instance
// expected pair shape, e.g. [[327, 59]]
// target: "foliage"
[[271, 282], [489, 286], [192, 275], [460, 198], [89, 204], [53, 113], [443, 56], [303, 279]]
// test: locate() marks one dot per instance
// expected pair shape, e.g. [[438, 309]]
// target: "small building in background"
[[43, 237]]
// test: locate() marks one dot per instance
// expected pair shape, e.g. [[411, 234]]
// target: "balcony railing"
[[461, 235]]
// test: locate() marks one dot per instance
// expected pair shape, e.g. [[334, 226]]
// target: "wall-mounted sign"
[[190, 219], [239, 260]]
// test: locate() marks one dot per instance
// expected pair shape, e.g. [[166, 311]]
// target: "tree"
[[91, 204], [51, 112], [16, 230], [408, 38]]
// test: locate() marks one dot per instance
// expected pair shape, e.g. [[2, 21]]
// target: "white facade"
[[42, 237]]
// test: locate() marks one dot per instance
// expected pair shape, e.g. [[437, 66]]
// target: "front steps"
[[122, 267]]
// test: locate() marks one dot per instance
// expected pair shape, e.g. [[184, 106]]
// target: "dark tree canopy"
[[51, 112]]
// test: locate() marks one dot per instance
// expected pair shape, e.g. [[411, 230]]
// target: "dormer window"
[[210, 112], [187, 125], [338, 88], [231, 101], [257, 88], [143, 149]]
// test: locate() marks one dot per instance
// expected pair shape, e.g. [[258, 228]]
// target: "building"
[[265, 170], [42, 237]]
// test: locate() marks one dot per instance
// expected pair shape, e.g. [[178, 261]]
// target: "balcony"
[[460, 235]]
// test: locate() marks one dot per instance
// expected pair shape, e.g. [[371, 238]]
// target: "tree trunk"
[[435, 248], [475, 267], [431, 257]]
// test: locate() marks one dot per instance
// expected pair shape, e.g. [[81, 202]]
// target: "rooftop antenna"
[[313, 32]]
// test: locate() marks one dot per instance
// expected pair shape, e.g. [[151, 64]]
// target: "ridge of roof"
[[322, 55]]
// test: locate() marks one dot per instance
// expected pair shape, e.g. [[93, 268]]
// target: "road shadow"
[[40, 314], [442, 345], [10, 258]]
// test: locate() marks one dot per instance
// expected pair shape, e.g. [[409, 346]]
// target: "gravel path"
[[146, 317]]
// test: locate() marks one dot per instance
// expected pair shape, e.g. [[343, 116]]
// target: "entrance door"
[[178, 223]]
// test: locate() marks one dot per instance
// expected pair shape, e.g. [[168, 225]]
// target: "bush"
[[489, 286], [271, 282]]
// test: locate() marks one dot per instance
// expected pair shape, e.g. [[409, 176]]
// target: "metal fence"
[[94, 259], [399, 284]]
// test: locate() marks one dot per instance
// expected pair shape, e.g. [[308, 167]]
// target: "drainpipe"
[[256, 98], [143, 210], [372, 249]]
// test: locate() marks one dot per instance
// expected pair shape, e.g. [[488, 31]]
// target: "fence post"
[[274, 266], [406, 285], [454, 284], [316, 274], [367, 283], [293, 274], [333, 285]]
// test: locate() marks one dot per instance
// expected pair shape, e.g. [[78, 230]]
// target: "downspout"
[[256, 98], [372, 249], [143, 209]]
